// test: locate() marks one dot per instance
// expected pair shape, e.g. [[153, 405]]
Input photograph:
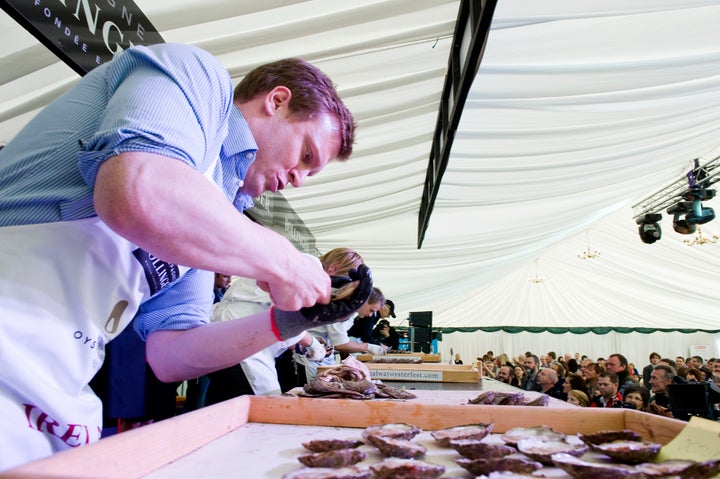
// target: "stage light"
[[699, 214], [681, 225], [649, 227]]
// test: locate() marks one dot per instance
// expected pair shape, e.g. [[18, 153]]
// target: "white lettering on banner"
[[113, 35], [403, 375]]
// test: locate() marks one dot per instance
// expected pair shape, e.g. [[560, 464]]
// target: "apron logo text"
[[88, 341], [73, 435], [158, 273]]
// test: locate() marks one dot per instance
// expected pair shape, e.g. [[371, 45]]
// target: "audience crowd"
[[616, 382]]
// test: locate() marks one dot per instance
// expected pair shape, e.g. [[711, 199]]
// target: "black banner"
[[273, 211], [84, 33]]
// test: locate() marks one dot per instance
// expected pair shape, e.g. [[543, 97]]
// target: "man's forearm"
[[180, 355]]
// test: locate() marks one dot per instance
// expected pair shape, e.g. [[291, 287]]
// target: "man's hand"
[[290, 323], [308, 285]]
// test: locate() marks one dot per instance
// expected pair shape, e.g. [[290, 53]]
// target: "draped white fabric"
[[580, 108]]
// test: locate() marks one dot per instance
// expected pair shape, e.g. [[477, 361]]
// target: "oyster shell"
[[632, 452], [702, 470], [406, 469], [474, 448], [482, 466], [487, 397], [340, 389], [395, 447], [397, 430], [664, 468], [541, 449], [514, 435], [390, 392], [541, 400], [499, 398], [324, 445], [470, 431], [336, 458], [576, 467], [352, 472], [609, 436]]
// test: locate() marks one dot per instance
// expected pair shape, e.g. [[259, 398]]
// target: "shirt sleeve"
[[170, 99], [185, 304]]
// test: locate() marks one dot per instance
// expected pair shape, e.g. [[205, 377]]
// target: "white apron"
[[66, 289]]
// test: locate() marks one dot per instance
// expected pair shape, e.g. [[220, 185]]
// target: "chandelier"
[[537, 279], [700, 239], [589, 253]]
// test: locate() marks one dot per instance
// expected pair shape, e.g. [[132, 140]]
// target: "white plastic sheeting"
[[579, 109]]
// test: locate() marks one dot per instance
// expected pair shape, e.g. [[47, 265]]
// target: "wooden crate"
[[151, 448]]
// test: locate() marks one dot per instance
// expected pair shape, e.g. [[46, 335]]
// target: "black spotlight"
[[681, 225], [649, 227], [699, 214]]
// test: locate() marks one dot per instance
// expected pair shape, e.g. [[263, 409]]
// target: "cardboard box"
[[151, 448]]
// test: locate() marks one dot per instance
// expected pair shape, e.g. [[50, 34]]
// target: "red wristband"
[[273, 325]]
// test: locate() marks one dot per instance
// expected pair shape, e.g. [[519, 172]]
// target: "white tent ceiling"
[[580, 108]]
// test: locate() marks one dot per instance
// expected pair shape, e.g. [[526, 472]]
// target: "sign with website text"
[[84, 33]]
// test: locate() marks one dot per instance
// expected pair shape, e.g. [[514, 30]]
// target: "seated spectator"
[[638, 395], [608, 384], [659, 403], [530, 378], [506, 374], [591, 373], [692, 375], [654, 359], [618, 364], [634, 373], [575, 381], [578, 398], [668, 362], [519, 373], [488, 367], [559, 369], [550, 384], [716, 372], [572, 366], [698, 362]]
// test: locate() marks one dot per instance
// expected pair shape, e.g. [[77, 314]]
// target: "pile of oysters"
[[519, 452]]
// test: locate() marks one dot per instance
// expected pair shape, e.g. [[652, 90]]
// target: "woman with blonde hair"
[[578, 398], [340, 261]]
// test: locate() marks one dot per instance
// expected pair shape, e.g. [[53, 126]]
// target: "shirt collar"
[[239, 143], [239, 147]]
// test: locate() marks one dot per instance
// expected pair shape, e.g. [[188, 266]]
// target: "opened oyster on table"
[[399, 450]]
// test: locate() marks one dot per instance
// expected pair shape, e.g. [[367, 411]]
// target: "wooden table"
[[260, 437]]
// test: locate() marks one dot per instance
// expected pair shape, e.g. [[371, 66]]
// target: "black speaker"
[[422, 335], [421, 319]]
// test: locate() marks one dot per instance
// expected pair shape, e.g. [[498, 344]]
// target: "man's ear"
[[277, 98]]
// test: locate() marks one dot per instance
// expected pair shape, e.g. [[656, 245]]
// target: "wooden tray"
[[151, 448]]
